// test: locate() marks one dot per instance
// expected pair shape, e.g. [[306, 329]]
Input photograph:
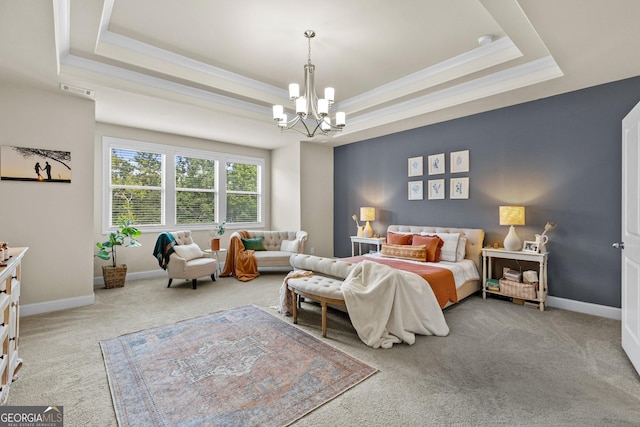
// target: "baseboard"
[[57, 305], [99, 281], [585, 307]]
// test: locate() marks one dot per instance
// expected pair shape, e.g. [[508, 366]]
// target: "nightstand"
[[488, 256], [377, 241]]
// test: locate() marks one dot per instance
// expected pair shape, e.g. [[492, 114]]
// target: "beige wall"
[[285, 180], [55, 220], [141, 259], [316, 201]]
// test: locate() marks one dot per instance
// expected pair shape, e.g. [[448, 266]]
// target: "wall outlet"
[[312, 250]]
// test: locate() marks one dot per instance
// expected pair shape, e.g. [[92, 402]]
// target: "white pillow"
[[188, 252], [450, 247], [290, 246], [462, 248]]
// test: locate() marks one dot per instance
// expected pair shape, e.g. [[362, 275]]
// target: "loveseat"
[[274, 248]]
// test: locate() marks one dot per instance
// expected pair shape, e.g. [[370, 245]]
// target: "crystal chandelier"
[[312, 114]]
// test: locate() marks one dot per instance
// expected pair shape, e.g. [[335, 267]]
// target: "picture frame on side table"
[[436, 189], [415, 166], [530, 246], [436, 164], [415, 190], [459, 188], [459, 161]]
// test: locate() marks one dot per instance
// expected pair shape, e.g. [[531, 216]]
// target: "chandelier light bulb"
[[294, 90], [341, 119], [277, 112], [323, 107], [329, 93]]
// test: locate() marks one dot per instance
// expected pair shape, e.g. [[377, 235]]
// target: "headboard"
[[475, 238]]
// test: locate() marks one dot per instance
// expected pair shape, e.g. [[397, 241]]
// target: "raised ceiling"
[[212, 68]]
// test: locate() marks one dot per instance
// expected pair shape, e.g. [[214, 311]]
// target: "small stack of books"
[[513, 275], [493, 285]]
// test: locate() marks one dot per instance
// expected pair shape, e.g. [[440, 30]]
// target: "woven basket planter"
[[114, 277]]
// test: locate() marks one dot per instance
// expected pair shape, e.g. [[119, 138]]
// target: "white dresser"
[[10, 362]]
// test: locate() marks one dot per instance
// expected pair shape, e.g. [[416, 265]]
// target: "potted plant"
[[114, 274], [217, 231]]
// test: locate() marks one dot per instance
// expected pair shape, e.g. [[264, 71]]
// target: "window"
[[136, 186], [243, 197], [195, 190], [165, 187]]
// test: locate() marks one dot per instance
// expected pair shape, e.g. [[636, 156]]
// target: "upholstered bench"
[[323, 286]]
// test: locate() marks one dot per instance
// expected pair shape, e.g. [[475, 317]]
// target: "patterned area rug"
[[240, 367]]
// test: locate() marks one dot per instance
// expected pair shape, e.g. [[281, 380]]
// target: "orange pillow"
[[433, 245], [399, 239]]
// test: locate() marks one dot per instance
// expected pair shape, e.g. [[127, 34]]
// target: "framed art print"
[[459, 161], [415, 190], [459, 188], [34, 164], [436, 164], [415, 166], [436, 189], [530, 246]]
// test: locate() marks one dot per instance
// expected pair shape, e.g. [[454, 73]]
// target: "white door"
[[631, 236]]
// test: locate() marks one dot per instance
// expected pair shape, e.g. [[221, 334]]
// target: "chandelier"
[[312, 114]]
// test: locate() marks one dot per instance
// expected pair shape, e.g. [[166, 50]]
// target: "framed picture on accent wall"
[[415, 166], [459, 161], [459, 188], [415, 190], [436, 164], [436, 189]]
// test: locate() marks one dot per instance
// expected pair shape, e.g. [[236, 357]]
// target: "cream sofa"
[[279, 245]]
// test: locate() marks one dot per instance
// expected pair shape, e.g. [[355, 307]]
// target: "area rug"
[[239, 367]]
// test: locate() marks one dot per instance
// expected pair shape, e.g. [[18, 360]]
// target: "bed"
[[465, 271]]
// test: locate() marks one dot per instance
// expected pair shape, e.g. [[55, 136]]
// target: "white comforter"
[[389, 306]]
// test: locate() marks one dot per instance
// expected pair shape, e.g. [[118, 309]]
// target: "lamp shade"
[[367, 214], [511, 215]]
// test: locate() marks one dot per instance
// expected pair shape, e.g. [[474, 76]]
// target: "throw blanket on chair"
[[240, 263], [388, 306], [164, 248]]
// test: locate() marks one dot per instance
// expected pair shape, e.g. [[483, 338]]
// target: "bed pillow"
[[188, 252], [450, 247], [462, 249], [433, 245], [399, 239], [255, 244], [290, 246], [414, 253]]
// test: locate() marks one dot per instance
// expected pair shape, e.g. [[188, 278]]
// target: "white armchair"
[[188, 261]]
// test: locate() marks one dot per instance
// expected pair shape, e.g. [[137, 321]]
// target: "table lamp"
[[512, 215], [368, 214]]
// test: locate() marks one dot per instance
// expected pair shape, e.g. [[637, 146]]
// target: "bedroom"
[[583, 199]]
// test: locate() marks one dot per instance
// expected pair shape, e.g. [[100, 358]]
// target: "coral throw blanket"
[[441, 280], [240, 263]]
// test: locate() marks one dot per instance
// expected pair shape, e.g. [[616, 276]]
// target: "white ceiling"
[[213, 68]]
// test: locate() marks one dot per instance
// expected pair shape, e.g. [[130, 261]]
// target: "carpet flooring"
[[238, 367], [502, 364]]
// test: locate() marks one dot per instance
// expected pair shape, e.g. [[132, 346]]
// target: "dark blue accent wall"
[[560, 157]]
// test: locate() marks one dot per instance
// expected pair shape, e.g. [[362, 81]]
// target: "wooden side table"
[[377, 241], [487, 265]]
